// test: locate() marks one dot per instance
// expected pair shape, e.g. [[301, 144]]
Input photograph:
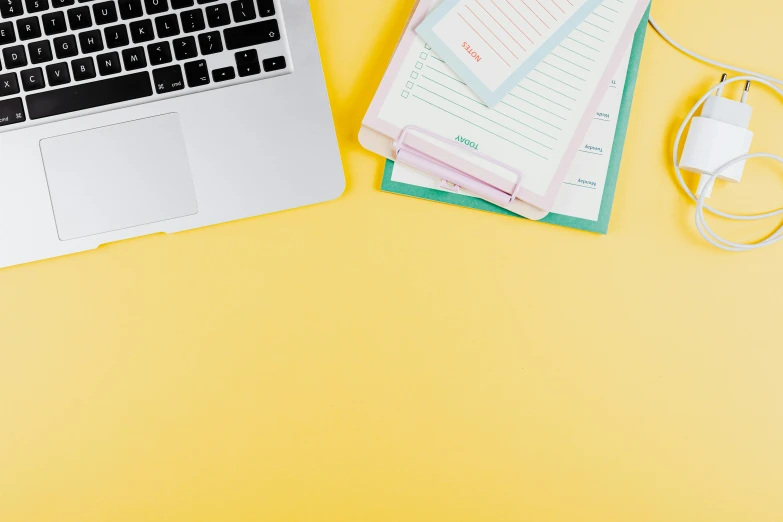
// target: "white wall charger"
[[717, 148], [716, 137]]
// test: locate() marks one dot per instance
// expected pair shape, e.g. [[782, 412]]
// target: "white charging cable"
[[701, 223]]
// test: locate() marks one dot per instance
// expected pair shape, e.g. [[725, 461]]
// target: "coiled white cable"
[[701, 223]]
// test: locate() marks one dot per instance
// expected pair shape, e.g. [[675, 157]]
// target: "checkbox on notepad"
[[423, 56], [419, 65], [414, 75], [409, 85], [405, 94]]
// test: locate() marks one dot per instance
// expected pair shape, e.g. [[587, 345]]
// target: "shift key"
[[11, 111], [248, 35]]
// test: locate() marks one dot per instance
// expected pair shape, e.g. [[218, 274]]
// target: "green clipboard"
[[600, 226]]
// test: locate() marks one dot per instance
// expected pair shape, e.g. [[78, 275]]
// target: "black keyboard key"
[[247, 62], [159, 52], [243, 10], [11, 8], [141, 31], [104, 13], [109, 63], [116, 36], [192, 20], [249, 35], [202, 2], [62, 3], [36, 6], [181, 4], [54, 23], [134, 58], [65, 46], [28, 28], [246, 56], [156, 6], [40, 51], [167, 25], [168, 79], [224, 74], [11, 111], [91, 41], [14, 57], [266, 8], [7, 33], [217, 15], [89, 95], [79, 18], [130, 9], [197, 73], [32, 79], [185, 48], [57, 74], [8, 84], [210, 43], [249, 69], [83, 69], [274, 64]]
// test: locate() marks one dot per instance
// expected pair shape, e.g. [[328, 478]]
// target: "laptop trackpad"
[[120, 176]]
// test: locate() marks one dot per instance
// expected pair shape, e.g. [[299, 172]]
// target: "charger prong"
[[719, 92], [746, 92]]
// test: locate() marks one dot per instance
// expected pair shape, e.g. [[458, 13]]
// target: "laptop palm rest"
[[117, 177]]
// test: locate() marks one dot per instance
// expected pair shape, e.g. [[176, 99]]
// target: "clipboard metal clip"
[[451, 178]]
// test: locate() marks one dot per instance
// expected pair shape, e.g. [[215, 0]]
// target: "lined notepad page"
[[533, 126], [583, 189], [493, 38]]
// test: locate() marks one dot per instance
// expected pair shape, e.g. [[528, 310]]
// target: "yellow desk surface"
[[372, 359]]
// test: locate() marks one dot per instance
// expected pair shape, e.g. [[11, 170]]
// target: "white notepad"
[[581, 195], [538, 127], [493, 44]]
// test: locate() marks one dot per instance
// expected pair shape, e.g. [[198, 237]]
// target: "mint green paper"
[[600, 226]]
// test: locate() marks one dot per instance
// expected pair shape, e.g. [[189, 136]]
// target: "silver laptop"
[[122, 118]]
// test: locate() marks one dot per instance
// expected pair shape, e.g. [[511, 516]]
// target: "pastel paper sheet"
[[538, 127], [493, 44], [585, 201]]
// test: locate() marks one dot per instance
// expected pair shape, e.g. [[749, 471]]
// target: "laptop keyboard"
[[60, 57]]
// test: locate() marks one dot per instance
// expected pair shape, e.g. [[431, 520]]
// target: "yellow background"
[[379, 358]]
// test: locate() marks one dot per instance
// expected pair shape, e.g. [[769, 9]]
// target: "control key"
[[11, 111]]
